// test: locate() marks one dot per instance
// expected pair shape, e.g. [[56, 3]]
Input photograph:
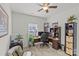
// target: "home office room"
[[39, 29]]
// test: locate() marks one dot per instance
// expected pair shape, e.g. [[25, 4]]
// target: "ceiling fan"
[[45, 7]]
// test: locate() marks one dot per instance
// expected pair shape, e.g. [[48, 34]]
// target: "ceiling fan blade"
[[40, 5], [46, 11], [52, 6], [48, 3], [40, 9]]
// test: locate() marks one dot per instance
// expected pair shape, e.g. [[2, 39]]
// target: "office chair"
[[44, 38]]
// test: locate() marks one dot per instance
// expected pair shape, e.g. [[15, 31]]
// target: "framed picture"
[[3, 22], [55, 24]]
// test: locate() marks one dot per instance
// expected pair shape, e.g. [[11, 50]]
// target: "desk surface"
[[37, 37], [50, 38], [53, 38]]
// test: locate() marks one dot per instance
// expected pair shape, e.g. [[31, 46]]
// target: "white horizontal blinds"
[[32, 29]]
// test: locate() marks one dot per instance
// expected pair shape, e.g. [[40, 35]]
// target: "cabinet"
[[71, 38], [55, 44]]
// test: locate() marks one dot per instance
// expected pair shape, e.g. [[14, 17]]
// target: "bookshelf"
[[56, 35], [71, 38]]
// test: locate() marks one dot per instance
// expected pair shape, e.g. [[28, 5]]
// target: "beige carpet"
[[46, 51]]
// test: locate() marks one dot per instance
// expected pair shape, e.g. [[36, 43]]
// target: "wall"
[[20, 24], [4, 41], [61, 18]]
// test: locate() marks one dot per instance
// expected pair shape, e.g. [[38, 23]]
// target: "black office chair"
[[44, 38]]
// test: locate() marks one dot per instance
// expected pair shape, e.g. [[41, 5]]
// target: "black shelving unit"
[[71, 38], [56, 34]]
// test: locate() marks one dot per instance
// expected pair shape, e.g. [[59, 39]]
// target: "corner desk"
[[55, 42]]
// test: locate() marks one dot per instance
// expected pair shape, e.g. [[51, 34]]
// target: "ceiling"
[[32, 8]]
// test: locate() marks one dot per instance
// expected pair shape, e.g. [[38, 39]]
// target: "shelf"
[[69, 46], [70, 38], [69, 42], [69, 51]]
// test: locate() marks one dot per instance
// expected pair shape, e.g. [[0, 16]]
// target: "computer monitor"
[[39, 33]]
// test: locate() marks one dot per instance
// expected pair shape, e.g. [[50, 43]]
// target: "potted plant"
[[18, 37], [31, 39], [71, 18]]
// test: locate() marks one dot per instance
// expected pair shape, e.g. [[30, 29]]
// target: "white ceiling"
[[32, 8]]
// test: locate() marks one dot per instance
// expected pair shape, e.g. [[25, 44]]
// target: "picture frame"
[[3, 22], [55, 24]]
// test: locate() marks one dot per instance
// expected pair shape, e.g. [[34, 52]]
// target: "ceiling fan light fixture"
[[45, 8]]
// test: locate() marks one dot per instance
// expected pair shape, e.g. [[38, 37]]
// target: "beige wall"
[[61, 18], [20, 24], [5, 41]]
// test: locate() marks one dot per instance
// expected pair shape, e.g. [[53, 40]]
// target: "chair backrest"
[[44, 36]]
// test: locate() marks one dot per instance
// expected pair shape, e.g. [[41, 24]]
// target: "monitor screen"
[[39, 33]]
